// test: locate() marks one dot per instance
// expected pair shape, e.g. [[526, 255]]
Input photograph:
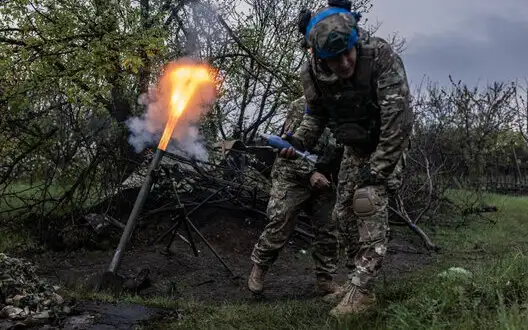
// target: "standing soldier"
[[298, 185], [357, 85]]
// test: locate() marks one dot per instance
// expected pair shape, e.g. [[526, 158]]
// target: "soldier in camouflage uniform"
[[298, 185], [356, 85]]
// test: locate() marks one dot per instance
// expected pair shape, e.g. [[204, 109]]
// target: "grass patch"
[[492, 295], [283, 315], [308, 314], [20, 197], [496, 233], [20, 200], [16, 201]]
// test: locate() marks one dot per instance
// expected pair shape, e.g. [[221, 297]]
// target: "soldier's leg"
[[367, 208], [325, 243], [285, 203], [286, 200], [326, 246], [372, 215], [348, 231]]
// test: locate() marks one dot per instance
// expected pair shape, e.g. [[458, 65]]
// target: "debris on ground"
[[24, 296], [456, 272]]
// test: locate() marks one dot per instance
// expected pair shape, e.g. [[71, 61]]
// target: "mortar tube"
[[138, 205]]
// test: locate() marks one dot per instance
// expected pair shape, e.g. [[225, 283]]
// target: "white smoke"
[[191, 145], [147, 129]]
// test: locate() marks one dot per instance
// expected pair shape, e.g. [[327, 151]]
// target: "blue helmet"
[[332, 31]]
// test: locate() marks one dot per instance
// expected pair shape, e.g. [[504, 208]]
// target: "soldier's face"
[[343, 65]]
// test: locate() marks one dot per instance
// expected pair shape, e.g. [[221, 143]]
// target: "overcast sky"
[[474, 40]]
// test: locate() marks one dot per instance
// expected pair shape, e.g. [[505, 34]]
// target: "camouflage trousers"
[[362, 217], [288, 196]]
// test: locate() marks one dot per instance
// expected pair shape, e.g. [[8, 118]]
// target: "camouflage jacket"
[[389, 96], [328, 151]]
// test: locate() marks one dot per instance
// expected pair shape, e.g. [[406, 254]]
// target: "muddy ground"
[[180, 274], [204, 278]]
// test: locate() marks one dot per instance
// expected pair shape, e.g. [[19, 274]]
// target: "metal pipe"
[[132, 219]]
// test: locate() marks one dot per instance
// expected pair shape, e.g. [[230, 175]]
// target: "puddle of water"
[[99, 315]]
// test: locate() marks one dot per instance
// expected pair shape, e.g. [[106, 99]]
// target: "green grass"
[[12, 198], [9, 240], [497, 233], [14, 201], [494, 295], [21, 193], [297, 314]]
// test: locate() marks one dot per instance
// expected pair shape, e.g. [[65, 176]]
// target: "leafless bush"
[[461, 136]]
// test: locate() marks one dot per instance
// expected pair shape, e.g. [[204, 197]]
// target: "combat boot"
[[354, 302], [330, 290], [256, 278]]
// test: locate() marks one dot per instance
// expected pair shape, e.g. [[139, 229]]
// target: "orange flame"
[[183, 86]]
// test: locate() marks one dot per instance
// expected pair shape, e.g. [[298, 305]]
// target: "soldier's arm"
[[329, 157], [294, 115], [396, 113], [315, 119]]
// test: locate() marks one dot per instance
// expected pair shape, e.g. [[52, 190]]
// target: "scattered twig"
[[403, 214]]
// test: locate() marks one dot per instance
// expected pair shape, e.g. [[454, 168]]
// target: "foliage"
[[74, 72]]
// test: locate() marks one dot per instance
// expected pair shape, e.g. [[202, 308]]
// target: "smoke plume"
[[147, 129]]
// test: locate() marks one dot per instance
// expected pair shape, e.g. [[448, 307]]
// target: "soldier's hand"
[[319, 181], [286, 152]]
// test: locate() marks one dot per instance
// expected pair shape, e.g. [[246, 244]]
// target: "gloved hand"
[[290, 152], [319, 181], [367, 177], [393, 185]]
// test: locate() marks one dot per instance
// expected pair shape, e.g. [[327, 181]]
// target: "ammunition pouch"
[[357, 136]]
